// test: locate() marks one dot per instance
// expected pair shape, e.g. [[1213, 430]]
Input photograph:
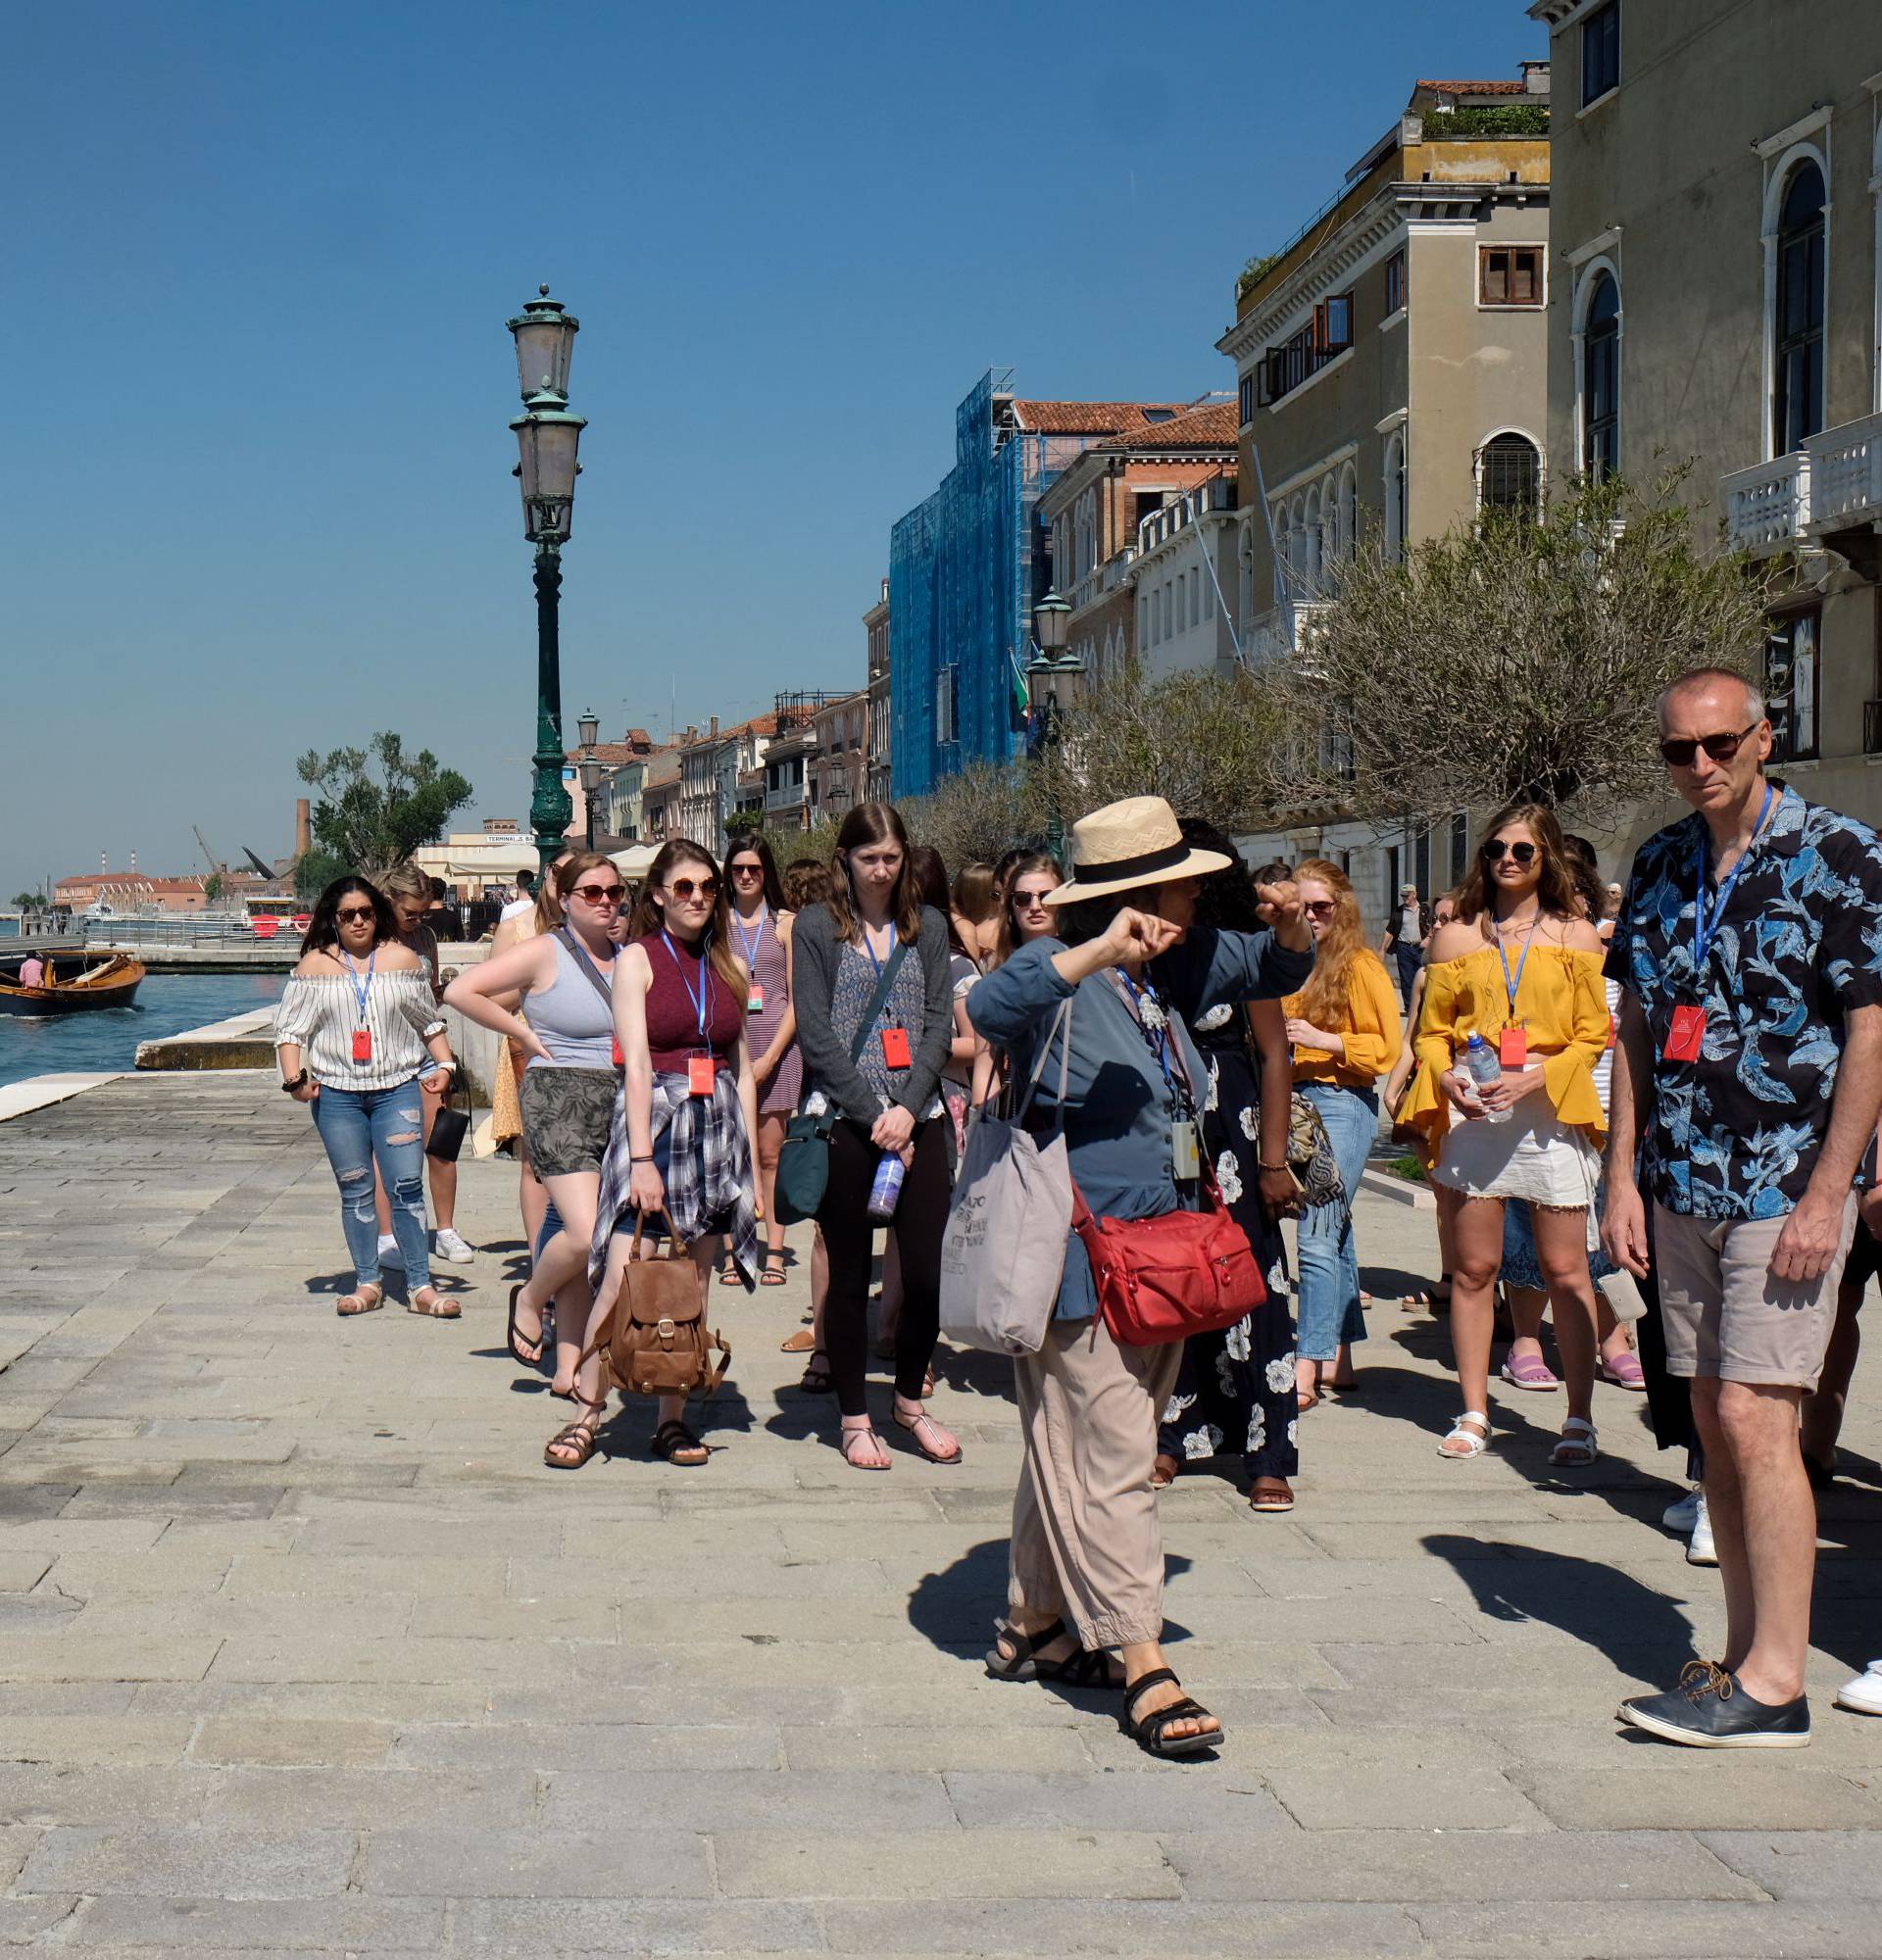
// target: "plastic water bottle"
[[1480, 1063], [887, 1187]]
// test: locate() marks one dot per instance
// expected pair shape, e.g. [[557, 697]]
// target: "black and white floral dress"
[[1236, 1387]]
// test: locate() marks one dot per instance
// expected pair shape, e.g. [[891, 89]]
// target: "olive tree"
[[1510, 660]]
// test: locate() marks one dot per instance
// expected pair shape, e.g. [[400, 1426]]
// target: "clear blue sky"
[[258, 498]]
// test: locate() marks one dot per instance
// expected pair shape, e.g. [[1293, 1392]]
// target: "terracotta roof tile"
[[1089, 418], [1208, 425]]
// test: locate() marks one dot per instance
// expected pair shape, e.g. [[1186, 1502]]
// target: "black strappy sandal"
[[675, 1443], [1149, 1734], [1021, 1664], [818, 1381]]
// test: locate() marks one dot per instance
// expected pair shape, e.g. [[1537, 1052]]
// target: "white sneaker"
[[452, 1249], [389, 1253], [1699, 1551], [1863, 1695], [1682, 1514]]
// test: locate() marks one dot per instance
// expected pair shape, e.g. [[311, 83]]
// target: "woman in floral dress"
[[1235, 1390]]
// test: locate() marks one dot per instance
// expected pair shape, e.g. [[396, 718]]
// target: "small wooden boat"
[[75, 984]]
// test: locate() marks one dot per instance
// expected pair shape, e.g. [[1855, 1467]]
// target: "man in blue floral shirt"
[[1746, 1080]]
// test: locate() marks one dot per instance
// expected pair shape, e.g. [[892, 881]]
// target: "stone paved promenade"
[[302, 1649]]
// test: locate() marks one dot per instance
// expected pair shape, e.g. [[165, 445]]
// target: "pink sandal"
[[1530, 1371], [1624, 1370]]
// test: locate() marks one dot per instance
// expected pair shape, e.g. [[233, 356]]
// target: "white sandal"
[[1477, 1444], [1579, 1439]]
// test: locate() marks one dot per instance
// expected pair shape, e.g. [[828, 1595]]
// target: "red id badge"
[[620, 1058], [753, 998], [1686, 1034], [362, 1043], [1513, 1047], [701, 1073], [895, 1048]]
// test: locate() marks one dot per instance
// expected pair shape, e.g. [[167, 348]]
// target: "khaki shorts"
[[1724, 1314]]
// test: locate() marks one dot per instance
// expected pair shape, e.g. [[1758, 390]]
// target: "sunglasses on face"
[[1320, 907], [1521, 853], [1031, 902], [686, 888], [354, 915], [1682, 749], [600, 895], [748, 870]]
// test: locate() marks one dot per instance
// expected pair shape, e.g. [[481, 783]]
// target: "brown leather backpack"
[[657, 1340]]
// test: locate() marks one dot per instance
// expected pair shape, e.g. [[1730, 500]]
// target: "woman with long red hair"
[[1344, 1025]]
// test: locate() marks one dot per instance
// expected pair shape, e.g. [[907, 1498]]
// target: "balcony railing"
[[1266, 637], [1768, 505], [1846, 475], [1833, 483]]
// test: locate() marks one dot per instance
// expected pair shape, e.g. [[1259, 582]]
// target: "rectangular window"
[[1145, 504], [1600, 52], [1248, 398], [1509, 275], [947, 705], [1395, 283], [1326, 336], [1791, 686]]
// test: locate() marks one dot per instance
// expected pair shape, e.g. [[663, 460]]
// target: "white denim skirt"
[[1533, 1156]]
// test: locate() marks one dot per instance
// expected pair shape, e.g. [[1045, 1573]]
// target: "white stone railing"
[[1845, 476], [1768, 505]]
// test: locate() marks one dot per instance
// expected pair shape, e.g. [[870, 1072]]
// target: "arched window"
[[1601, 378], [1349, 511], [1395, 527], [1796, 396], [1509, 476]]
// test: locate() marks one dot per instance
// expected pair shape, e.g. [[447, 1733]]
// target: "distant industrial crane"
[[216, 865]]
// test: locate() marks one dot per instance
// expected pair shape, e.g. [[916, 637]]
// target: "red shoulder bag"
[[1163, 1279]]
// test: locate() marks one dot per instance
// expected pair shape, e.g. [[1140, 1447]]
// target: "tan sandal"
[[579, 1436], [359, 1303], [443, 1306]]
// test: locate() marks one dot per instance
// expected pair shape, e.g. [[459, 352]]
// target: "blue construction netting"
[[965, 567]]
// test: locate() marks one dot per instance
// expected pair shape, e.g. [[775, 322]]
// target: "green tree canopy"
[[1511, 660], [378, 804]]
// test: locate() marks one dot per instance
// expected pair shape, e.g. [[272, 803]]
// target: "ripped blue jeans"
[[358, 1125]]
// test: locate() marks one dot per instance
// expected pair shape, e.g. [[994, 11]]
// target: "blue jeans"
[[358, 1125], [1329, 1291]]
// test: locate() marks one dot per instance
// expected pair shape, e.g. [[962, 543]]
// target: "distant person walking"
[[760, 940], [356, 1023], [1404, 937], [1746, 1087]]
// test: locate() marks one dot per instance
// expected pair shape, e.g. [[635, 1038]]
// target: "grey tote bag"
[[1004, 1253]]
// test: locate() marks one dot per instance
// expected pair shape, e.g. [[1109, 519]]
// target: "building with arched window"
[[1389, 359], [1718, 297]]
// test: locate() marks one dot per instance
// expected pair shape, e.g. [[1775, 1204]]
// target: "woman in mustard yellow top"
[[1344, 1026], [1520, 968]]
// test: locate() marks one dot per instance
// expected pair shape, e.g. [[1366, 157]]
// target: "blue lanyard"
[[757, 939], [362, 992], [1514, 987], [1705, 930], [1157, 1040], [700, 999]]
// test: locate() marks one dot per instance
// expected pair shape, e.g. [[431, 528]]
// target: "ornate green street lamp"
[[547, 438], [1052, 676]]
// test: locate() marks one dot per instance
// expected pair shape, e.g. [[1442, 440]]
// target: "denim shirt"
[[1119, 1110]]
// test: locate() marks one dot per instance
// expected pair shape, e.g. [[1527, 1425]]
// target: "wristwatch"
[[299, 1082]]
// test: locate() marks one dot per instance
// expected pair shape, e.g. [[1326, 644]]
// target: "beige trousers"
[[1087, 1544]]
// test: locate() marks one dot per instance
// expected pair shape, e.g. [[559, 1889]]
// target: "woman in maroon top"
[[683, 1126]]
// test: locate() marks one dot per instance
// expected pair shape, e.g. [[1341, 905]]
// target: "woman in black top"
[[879, 1072]]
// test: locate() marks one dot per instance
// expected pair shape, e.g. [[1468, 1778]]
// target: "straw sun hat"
[[1128, 844]]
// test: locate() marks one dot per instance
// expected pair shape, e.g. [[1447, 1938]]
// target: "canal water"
[[167, 1004]]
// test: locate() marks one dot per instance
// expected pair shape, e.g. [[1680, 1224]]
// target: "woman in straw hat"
[[1086, 1546]]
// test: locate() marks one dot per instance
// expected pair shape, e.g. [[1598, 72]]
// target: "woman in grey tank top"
[[568, 1090]]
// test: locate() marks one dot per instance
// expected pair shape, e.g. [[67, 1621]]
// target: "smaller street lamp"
[[593, 768], [1050, 619], [1052, 676], [587, 729]]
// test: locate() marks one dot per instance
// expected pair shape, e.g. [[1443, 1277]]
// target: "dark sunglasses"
[[1721, 747], [353, 915], [600, 895], [684, 888], [1494, 848], [748, 870], [1032, 900], [1320, 907]]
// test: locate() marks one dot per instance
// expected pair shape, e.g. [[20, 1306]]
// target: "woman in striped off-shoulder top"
[[354, 1029]]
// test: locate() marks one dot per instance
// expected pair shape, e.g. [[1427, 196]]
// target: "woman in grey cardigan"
[[1087, 1558], [876, 1022]]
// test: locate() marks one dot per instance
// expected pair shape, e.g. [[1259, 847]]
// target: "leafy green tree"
[[28, 902], [1511, 659], [377, 806], [214, 886], [314, 871], [744, 823]]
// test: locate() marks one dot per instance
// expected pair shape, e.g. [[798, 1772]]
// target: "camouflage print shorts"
[[566, 1114]]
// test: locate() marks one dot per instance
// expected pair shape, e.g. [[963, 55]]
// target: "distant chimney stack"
[[133, 863], [303, 827], [713, 732], [104, 862]]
